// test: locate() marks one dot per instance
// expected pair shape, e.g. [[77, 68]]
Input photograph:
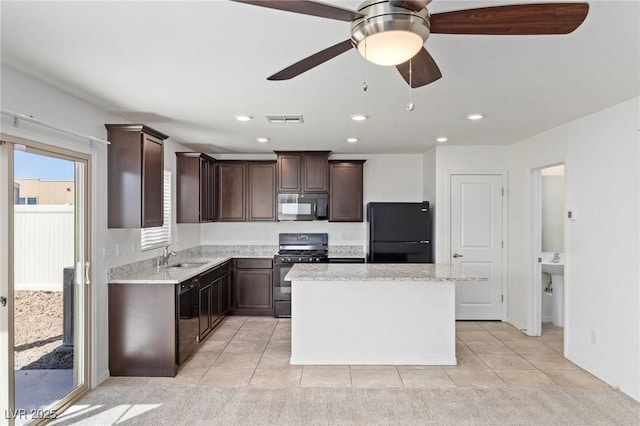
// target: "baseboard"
[[100, 378], [324, 361], [516, 324]]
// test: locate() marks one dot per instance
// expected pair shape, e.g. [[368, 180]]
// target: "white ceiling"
[[186, 68]]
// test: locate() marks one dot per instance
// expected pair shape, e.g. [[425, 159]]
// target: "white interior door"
[[477, 244]]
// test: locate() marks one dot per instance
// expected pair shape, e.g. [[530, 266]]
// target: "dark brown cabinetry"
[[261, 191], [253, 287], [246, 191], [345, 190], [306, 171], [135, 176], [195, 187], [142, 330], [230, 191], [214, 297]]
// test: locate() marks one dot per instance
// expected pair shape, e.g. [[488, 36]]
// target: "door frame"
[[534, 291], [7, 142], [505, 201]]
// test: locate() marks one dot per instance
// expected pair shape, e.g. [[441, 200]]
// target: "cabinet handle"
[[456, 255]]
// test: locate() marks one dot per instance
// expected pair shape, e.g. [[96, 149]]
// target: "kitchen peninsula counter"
[[374, 314]]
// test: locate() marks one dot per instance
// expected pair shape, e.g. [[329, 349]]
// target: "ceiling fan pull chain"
[[365, 86], [410, 105]]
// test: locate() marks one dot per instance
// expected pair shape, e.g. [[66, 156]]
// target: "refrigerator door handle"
[[424, 241], [424, 210]]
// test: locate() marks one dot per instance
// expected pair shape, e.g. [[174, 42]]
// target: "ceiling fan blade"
[[312, 61], [415, 5], [307, 7], [423, 69], [521, 19]]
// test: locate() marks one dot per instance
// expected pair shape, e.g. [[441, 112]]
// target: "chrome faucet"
[[556, 258], [166, 254]]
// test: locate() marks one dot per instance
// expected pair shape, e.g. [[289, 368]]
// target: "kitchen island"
[[382, 314]]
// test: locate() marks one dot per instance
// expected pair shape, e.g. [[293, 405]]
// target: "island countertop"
[[381, 272]]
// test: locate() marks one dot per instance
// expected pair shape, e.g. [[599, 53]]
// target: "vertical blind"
[[159, 236]]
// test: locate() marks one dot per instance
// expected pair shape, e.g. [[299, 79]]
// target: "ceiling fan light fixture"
[[389, 35], [390, 47]]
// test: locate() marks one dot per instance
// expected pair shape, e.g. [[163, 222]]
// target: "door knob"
[[456, 255], [3, 301]]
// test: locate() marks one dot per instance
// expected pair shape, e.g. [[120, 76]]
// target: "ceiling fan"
[[392, 32]]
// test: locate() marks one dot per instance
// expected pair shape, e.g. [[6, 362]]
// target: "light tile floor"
[[255, 352]]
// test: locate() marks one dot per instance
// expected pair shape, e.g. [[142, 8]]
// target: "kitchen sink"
[[187, 264]]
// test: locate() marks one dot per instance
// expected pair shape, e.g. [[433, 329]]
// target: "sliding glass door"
[[44, 334]]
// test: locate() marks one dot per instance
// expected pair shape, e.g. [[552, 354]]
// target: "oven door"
[[282, 291]]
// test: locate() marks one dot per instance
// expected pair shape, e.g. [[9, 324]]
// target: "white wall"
[[602, 276], [387, 177], [459, 159], [602, 246], [26, 95], [523, 157], [553, 214]]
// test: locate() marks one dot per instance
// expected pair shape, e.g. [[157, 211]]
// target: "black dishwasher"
[[188, 319]]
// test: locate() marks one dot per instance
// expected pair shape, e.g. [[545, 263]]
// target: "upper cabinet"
[[195, 187], [346, 190], [246, 191], [303, 171], [231, 184], [135, 176]]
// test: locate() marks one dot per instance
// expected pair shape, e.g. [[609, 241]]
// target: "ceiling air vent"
[[284, 118]]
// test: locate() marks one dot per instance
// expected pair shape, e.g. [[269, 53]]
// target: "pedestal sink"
[[554, 266]]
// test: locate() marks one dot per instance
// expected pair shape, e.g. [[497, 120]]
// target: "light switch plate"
[[571, 214]]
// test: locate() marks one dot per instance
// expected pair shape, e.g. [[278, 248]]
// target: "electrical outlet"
[[267, 236], [344, 235], [593, 337], [107, 252], [118, 250]]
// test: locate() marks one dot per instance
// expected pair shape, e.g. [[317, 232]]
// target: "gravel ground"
[[38, 331]]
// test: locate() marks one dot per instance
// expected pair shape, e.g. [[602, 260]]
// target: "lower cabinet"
[[252, 292], [143, 330], [214, 297], [155, 327]]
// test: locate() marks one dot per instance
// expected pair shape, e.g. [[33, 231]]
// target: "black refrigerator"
[[399, 232]]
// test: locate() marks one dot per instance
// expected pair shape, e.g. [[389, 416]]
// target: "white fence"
[[44, 245]]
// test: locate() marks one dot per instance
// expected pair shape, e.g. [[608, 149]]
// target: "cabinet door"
[[261, 191], [253, 289], [230, 192], [289, 173], [225, 296], [316, 172], [203, 192], [215, 316], [211, 192], [204, 319], [152, 177], [345, 192]]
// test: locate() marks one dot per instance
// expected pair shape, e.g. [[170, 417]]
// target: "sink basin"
[[553, 268], [187, 265]]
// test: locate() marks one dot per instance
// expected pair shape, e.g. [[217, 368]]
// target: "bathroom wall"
[[553, 212]]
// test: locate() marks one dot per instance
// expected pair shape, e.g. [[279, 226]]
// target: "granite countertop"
[[170, 275], [380, 272]]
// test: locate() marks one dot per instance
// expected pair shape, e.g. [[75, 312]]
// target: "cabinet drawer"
[[254, 263]]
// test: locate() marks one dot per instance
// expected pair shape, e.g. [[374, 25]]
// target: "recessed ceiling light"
[[442, 140], [243, 117], [475, 116], [262, 140], [352, 140], [359, 117]]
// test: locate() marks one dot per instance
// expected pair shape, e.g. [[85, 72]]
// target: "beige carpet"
[[147, 405]]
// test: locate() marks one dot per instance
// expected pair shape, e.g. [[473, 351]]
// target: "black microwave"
[[302, 206]]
